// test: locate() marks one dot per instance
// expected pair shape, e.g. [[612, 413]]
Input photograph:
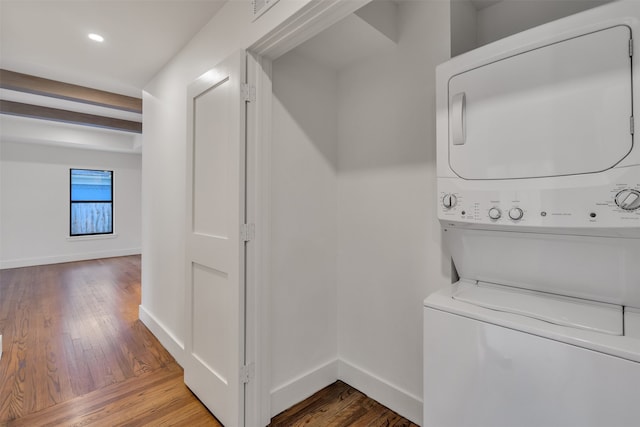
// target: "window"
[[91, 196]]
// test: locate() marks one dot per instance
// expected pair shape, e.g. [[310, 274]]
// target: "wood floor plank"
[[85, 405], [312, 404], [372, 412], [332, 409], [136, 401]]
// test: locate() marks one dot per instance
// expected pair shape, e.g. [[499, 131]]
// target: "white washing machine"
[[539, 203]]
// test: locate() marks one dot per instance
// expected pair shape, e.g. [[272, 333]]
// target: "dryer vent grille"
[[261, 6]]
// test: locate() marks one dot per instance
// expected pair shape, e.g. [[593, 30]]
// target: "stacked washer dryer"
[[539, 202]]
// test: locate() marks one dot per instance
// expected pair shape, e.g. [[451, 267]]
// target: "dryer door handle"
[[458, 119]]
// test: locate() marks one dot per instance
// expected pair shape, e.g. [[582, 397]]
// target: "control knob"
[[449, 201], [628, 199], [516, 214], [494, 213]]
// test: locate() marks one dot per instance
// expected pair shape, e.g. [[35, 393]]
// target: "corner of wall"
[[174, 346], [298, 389], [305, 385], [398, 400]]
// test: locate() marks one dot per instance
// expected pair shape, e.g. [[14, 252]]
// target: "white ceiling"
[[48, 38]]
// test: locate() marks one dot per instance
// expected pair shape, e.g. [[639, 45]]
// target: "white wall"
[[371, 203], [463, 26], [390, 254], [513, 16], [34, 204], [304, 212], [474, 24]]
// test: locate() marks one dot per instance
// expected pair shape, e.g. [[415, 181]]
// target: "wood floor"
[[339, 405], [75, 354]]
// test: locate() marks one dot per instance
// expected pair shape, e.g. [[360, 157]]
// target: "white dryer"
[[539, 202]]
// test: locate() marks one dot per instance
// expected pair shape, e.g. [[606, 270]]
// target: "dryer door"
[[560, 109]]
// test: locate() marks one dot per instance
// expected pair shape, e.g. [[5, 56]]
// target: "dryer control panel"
[[584, 204]]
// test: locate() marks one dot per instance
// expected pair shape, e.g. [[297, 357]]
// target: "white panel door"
[[215, 339], [561, 109]]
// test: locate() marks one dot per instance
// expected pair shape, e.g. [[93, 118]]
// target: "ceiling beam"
[[65, 116], [55, 89]]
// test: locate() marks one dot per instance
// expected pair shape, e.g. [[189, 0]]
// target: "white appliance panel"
[[492, 376], [594, 268], [622, 346], [554, 309], [632, 323], [561, 109]]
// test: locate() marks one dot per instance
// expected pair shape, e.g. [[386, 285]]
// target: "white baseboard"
[[398, 400], [169, 341], [295, 391], [287, 395], [26, 262]]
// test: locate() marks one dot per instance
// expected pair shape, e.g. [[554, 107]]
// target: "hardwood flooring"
[[339, 405], [75, 354]]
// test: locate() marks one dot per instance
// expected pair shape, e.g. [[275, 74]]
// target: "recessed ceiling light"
[[96, 37]]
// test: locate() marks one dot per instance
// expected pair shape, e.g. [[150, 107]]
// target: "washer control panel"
[[603, 206]]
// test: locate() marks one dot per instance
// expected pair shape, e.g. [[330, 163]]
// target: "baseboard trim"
[[298, 389], [169, 341], [398, 400], [27, 262]]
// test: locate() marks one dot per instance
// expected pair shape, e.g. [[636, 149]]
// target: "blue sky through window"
[[91, 202], [91, 185]]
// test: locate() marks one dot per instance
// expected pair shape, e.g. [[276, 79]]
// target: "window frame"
[[72, 202]]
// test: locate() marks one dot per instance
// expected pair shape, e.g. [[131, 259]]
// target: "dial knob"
[[516, 214], [628, 200], [494, 213], [449, 201]]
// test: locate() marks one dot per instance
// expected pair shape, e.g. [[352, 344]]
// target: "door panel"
[[211, 294], [214, 343], [560, 109], [210, 186]]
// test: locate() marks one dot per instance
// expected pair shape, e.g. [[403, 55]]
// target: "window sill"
[[93, 237]]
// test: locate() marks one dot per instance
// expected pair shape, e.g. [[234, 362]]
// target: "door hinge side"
[[247, 373], [248, 92], [632, 126], [247, 232]]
